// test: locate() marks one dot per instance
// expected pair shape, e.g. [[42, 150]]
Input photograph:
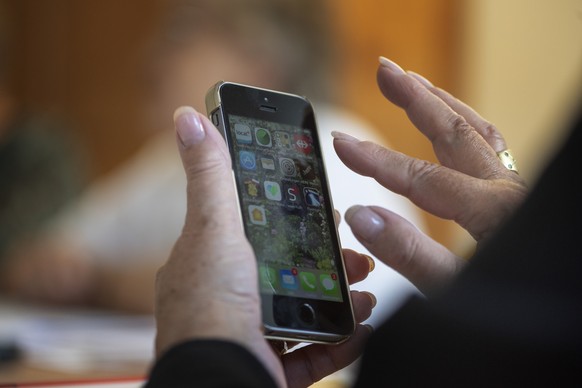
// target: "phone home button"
[[306, 314]]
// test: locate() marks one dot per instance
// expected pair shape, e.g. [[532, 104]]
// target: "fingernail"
[[369, 327], [372, 298], [188, 125], [344, 136], [421, 79], [364, 222], [337, 216], [371, 262], [392, 66]]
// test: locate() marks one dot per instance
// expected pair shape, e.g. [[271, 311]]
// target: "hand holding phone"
[[286, 211]]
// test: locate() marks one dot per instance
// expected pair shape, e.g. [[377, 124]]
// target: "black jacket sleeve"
[[209, 363], [514, 316]]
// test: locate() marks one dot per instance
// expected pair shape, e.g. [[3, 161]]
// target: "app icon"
[[272, 190], [329, 285], [268, 277], [252, 187], [306, 170], [267, 163], [292, 192], [282, 139], [247, 160], [288, 280], [257, 215], [308, 281], [303, 143], [242, 133], [312, 197], [263, 137], [287, 166]]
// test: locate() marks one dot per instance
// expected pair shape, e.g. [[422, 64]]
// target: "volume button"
[[216, 118]]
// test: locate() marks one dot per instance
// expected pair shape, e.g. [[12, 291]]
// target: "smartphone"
[[286, 211]]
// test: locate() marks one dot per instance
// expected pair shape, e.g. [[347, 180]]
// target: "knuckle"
[[404, 257], [421, 171], [456, 130], [420, 168], [492, 135], [459, 126], [489, 130]]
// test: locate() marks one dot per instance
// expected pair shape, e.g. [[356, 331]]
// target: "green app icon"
[[267, 277], [307, 281], [329, 286], [263, 137]]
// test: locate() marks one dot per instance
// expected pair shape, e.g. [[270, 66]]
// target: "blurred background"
[[516, 62], [92, 69]]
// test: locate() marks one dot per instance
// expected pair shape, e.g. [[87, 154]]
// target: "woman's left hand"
[[208, 288]]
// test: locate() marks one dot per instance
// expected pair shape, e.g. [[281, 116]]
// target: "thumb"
[[211, 198]]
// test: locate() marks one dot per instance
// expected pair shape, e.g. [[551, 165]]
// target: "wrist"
[[212, 319]]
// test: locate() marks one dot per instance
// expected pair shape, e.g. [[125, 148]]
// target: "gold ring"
[[508, 160]]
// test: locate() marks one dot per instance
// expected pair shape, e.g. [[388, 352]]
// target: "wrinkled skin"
[[208, 287], [470, 185]]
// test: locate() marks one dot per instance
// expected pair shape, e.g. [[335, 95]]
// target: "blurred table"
[[78, 345], [56, 344]]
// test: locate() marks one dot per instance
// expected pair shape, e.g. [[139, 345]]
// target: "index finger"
[[432, 187]]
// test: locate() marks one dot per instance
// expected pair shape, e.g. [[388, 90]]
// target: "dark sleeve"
[[209, 363], [514, 316]]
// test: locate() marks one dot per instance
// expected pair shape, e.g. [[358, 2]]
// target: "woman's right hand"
[[471, 185]]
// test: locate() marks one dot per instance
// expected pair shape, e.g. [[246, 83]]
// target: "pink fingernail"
[[344, 136], [390, 65], [188, 125], [364, 222]]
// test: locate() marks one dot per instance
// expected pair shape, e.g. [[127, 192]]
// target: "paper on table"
[[74, 341]]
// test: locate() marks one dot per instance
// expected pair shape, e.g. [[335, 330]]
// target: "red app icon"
[[306, 170], [292, 192], [303, 143]]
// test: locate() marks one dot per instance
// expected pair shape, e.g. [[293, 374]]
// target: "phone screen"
[[283, 208], [286, 211]]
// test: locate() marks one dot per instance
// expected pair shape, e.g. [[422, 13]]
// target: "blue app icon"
[[288, 280], [248, 160], [312, 197]]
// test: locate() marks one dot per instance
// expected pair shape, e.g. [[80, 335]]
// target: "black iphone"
[[286, 211]]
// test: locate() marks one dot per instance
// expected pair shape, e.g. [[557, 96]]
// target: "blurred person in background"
[[125, 225]]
